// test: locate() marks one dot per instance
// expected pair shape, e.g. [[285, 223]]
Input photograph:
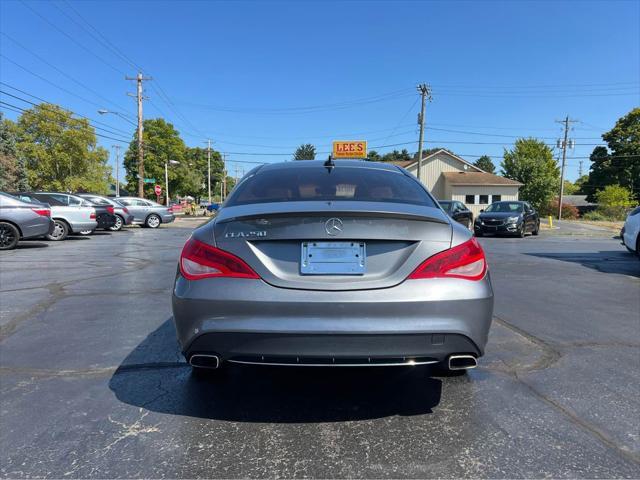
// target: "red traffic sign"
[[158, 190]]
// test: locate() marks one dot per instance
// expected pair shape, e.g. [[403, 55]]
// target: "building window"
[[484, 199], [496, 198], [470, 199]]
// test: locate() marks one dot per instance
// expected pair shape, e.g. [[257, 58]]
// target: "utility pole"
[[117, 147], [224, 176], [580, 168], [564, 144], [139, 79], [209, 169], [425, 92]]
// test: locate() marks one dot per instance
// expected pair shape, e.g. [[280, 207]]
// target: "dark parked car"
[[508, 217], [122, 215], [20, 220], [458, 211]]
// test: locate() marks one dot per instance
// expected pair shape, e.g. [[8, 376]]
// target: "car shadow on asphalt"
[[608, 261], [27, 244], [151, 378]]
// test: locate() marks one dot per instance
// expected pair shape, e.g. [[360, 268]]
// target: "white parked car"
[[631, 231]]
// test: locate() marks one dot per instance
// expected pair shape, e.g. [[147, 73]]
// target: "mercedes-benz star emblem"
[[333, 226]]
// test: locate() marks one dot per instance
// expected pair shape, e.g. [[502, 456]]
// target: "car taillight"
[[110, 210], [199, 260], [45, 212], [92, 216], [466, 261]]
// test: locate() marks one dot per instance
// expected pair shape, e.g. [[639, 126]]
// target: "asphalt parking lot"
[[92, 383]]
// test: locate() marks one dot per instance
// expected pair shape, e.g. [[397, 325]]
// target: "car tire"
[[523, 231], [638, 246], [537, 230], [152, 221], [479, 233], [118, 225], [60, 231], [9, 236]]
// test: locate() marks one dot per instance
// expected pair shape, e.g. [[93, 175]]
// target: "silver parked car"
[[20, 220], [122, 213], [146, 212], [70, 214], [322, 264]]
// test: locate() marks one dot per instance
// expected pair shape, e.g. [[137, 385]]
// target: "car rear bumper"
[[37, 228], [249, 321], [106, 220], [168, 218], [78, 227]]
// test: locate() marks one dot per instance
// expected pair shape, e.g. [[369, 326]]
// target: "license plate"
[[333, 258]]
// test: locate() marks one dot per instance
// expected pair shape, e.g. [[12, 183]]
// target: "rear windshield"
[[318, 184], [446, 206], [505, 207]]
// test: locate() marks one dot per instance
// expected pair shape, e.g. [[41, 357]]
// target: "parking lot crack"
[[550, 354]]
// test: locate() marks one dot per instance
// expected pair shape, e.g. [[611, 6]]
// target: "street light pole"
[[117, 147], [166, 177]]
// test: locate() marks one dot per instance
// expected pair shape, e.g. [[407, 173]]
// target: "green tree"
[[305, 152], [373, 156], [162, 143], [620, 163], [485, 163], [13, 172], [531, 163], [195, 159], [614, 196], [624, 143], [569, 188], [61, 151], [396, 156], [580, 183], [601, 172]]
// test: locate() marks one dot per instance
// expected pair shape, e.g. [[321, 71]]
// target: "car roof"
[[321, 164]]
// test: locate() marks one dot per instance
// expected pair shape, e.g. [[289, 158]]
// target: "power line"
[[61, 31], [115, 130], [54, 111], [22, 110]]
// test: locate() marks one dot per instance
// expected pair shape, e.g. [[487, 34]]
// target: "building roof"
[[478, 178], [410, 163], [577, 200]]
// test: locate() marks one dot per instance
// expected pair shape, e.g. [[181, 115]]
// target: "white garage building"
[[450, 177]]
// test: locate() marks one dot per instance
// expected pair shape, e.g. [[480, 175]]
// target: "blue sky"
[[263, 77]]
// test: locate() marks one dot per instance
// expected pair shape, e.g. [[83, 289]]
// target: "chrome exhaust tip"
[[462, 362], [200, 360]]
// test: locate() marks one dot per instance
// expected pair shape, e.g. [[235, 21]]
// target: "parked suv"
[[70, 214], [122, 214], [147, 213]]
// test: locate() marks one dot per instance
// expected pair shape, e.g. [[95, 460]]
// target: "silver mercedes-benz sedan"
[[312, 263]]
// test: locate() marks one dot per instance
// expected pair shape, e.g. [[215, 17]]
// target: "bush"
[[569, 212], [614, 196], [607, 214]]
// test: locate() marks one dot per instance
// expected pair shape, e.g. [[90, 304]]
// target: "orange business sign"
[[350, 149]]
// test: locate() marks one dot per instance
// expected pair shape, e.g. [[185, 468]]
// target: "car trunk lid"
[[275, 240]]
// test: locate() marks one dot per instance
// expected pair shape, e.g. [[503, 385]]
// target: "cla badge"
[[333, 226]]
